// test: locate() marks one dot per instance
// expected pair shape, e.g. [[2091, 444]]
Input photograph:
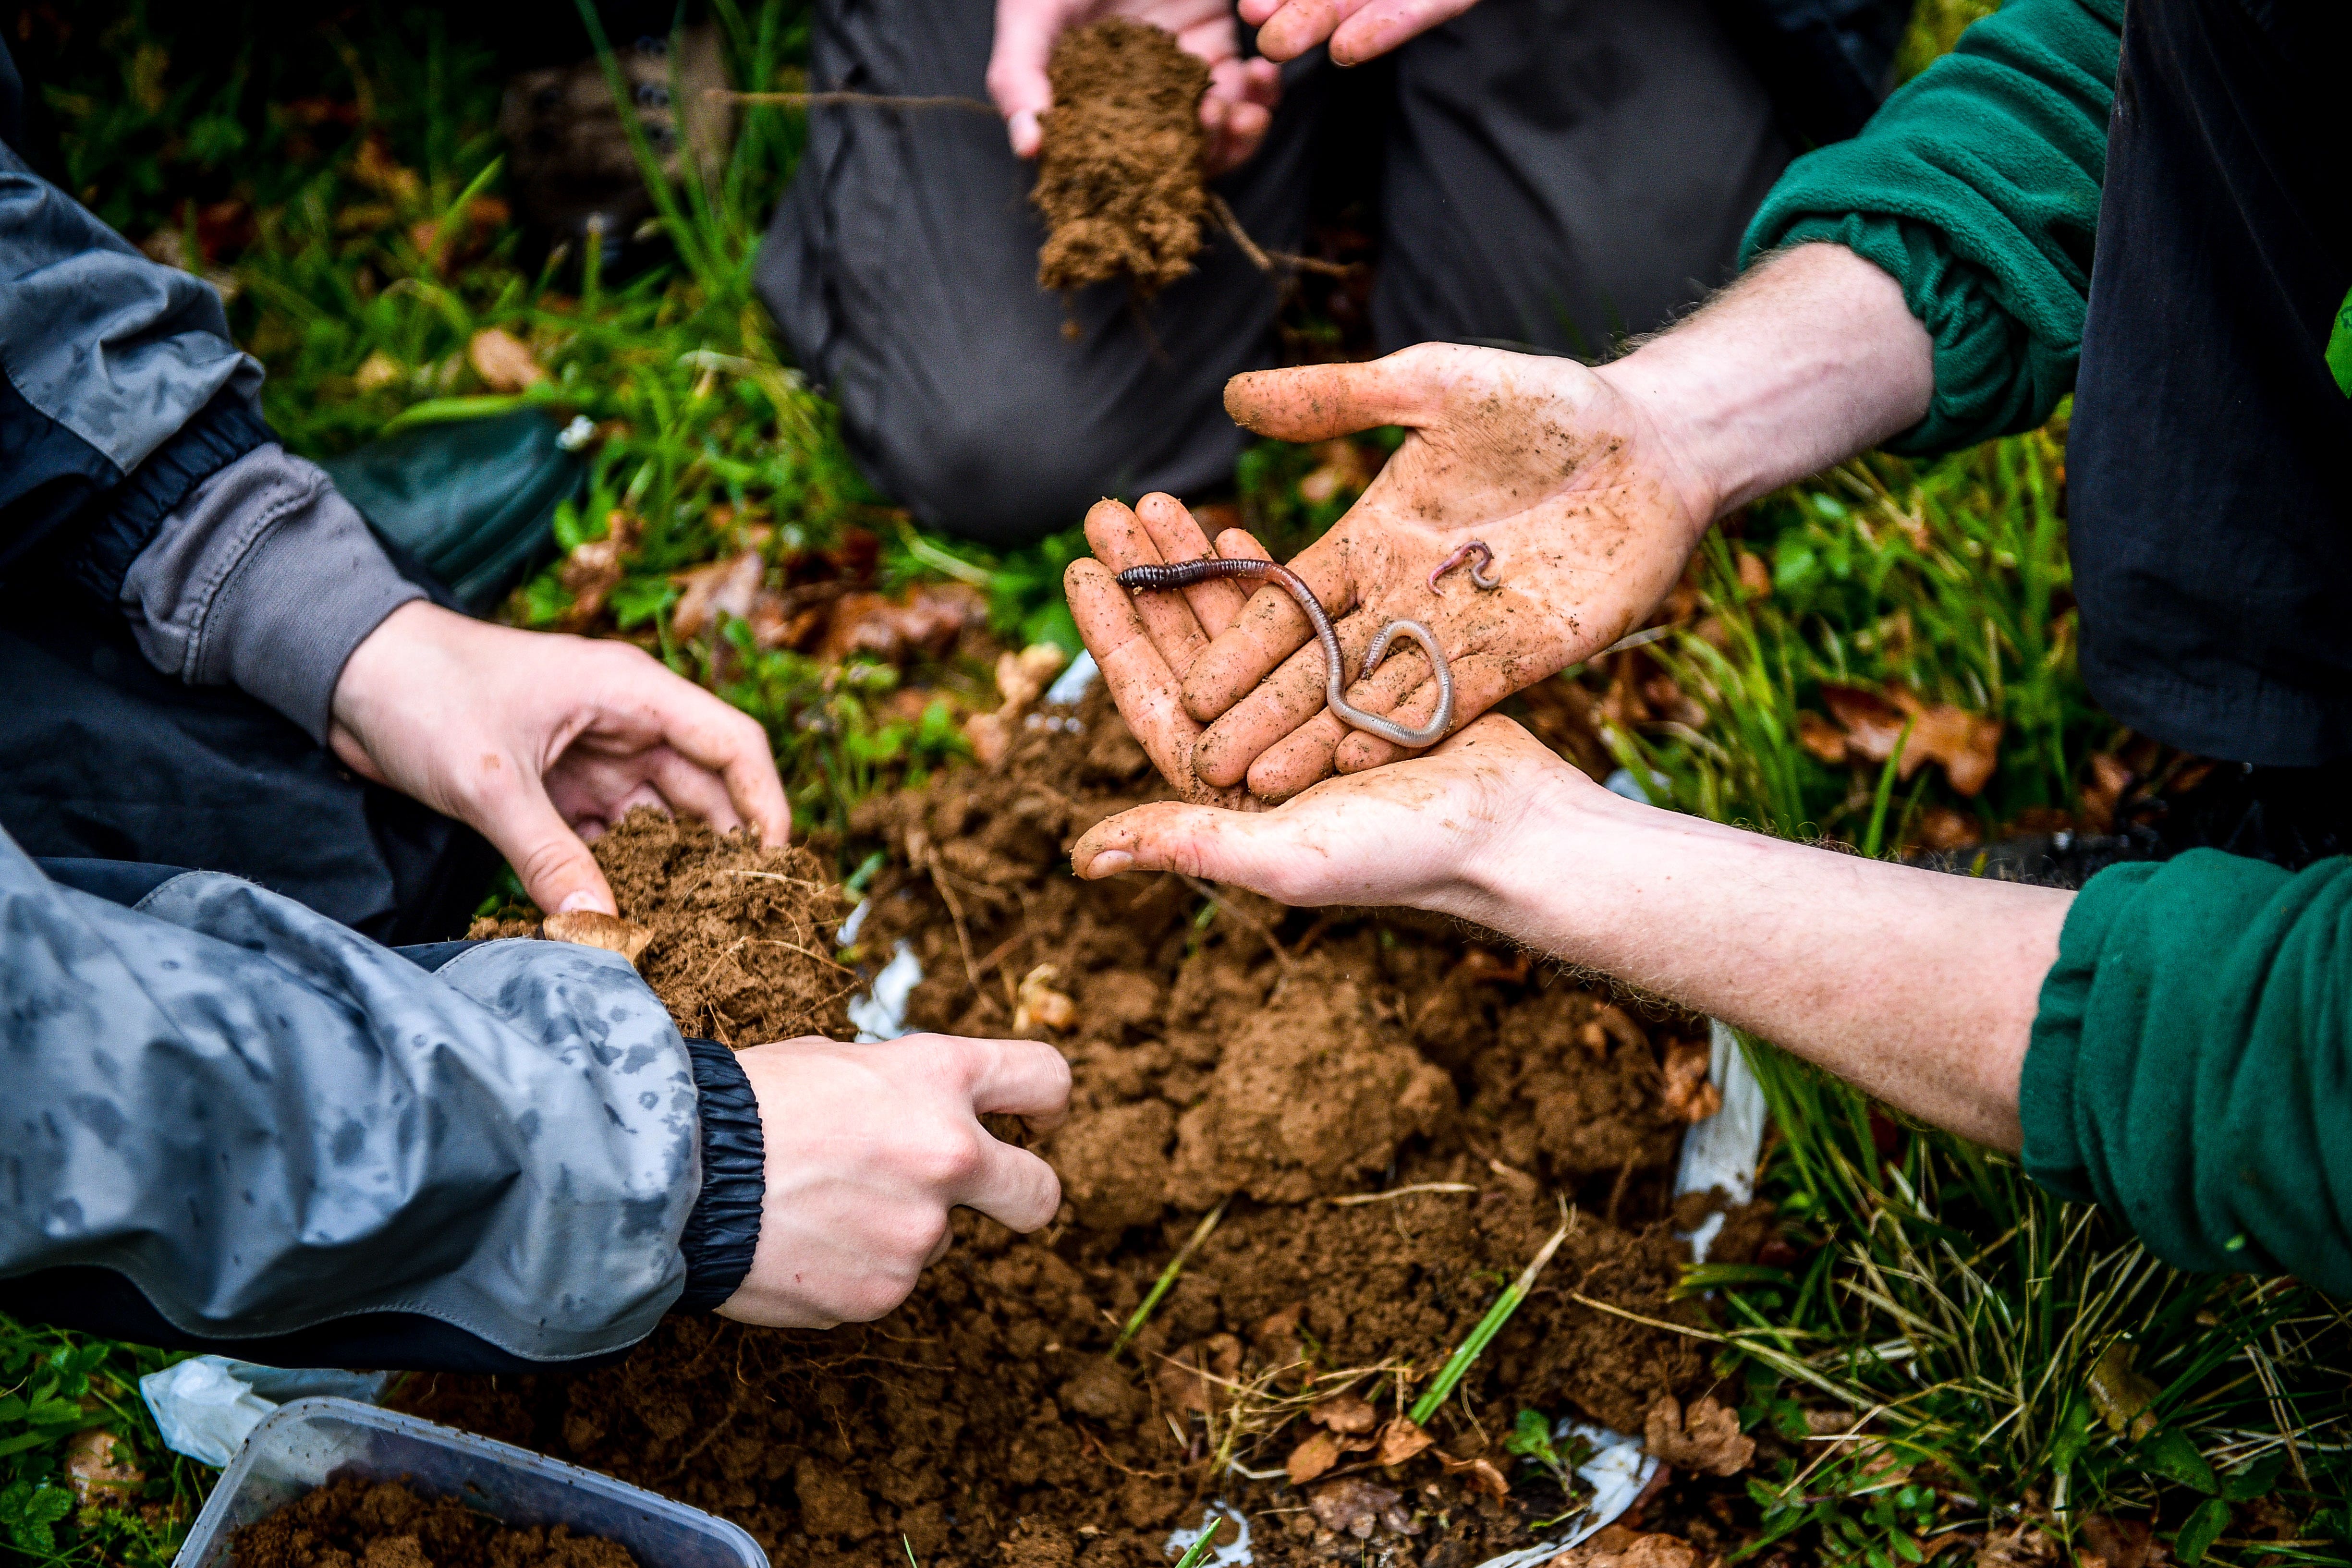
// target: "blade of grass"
[[1433, 1398], [1167, 1281]]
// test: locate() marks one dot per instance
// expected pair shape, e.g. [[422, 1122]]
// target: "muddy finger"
[[1300, 759], [1121, 541], [1177, 535], [1270, 627], [1284, 700]]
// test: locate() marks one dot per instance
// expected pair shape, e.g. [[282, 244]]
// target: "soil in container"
[[382, 1524], [1393, 1116], [1119, 166]]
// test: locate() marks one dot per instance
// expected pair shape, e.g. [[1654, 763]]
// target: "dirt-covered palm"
[[1588, 514], [1410, 835], [1235, 112]]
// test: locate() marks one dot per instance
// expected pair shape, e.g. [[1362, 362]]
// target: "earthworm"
[[1463, 552], [1185, 573]]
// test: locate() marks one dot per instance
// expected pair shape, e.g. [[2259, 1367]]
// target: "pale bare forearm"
[[1918, 986], [1808, 358]]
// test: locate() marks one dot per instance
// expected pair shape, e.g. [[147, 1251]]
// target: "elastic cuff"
[[222, 432], [723, 1232], [305, 594]]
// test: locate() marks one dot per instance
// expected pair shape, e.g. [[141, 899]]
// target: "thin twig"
[[1401, 1192], [955, 912], [1245, 917], [849, 100], [1581, 1299], [1266, 260]]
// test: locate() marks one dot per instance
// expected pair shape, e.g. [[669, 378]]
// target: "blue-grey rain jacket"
[[265, 1122]]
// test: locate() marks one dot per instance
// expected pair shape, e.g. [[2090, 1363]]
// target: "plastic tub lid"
[[306, 1442]]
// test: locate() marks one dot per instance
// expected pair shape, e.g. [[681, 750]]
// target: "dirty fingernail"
[[1110, 862], [584, 899]]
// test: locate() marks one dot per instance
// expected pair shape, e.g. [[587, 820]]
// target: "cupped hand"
[[1145, 643], [1417, 834], [533, 739], [1357, 30], [868, 1148], [1590, 513], [1235, 112]]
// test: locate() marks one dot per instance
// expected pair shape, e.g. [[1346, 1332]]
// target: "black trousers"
[[104, 758], [1553, 173]]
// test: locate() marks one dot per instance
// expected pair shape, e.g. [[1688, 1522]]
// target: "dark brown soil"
[[1222, 1049], [383, 1524], [741, 933], [1118, 172]]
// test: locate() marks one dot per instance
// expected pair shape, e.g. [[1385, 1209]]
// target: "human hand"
[[1235, 112], [1359, 30], [1421, 834], [868, 1148], [1145, 643], [1588, 509], [529, 736]]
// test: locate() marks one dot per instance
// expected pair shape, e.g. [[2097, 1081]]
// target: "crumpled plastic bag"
[[206, 1406]]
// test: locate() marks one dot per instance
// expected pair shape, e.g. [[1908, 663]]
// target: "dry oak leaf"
[[1348, 1413], [1318, 1453], [1400, 1440], [928, 618], [723, 588], [503, 360], [1705, 1439], [1967, 745], [1354, 1506], [1614, 1546]]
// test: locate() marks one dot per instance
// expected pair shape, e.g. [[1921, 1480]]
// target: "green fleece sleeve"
[[2190, 1066], [1977, 186]]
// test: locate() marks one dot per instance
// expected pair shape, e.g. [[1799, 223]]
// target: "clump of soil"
[[742, 932], [352, 1523], [1119, 169], [1395, 1117]]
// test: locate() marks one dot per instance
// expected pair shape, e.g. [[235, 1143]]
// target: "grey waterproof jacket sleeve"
[[267, 1122]]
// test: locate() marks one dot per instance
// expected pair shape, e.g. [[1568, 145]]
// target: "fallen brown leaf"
[[594, 928], [928, 618], [1967, 745], [1317, 1454], [1689, 1096], [592, 570], [1755, 576], [2027, 1546], [2121, 1543], [1348, 1413], [1615, 1546], [1354, 1506], [1475, 1475], [503, 360], [1820, 736], [1705, 1438], [1943, 829], [1400, 1440], [723, 588]]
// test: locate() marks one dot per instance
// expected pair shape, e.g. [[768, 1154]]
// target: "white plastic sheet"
[[205, 1406]]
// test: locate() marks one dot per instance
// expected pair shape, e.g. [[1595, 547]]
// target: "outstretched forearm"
[[1810, 358], [1916, 986]]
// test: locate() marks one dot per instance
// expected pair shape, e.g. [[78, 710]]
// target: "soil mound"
[[1395, 1118], [742, 934], [1119, 170], [382, 1524]]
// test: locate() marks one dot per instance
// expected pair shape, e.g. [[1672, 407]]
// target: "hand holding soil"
[[1588, 512], [1357, 30], [1234, 112], [533, 739], [869, 1147]]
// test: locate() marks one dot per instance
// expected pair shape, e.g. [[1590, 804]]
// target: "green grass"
[[1984, 1326]]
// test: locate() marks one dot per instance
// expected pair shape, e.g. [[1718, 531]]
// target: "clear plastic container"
[[310, 1441]]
